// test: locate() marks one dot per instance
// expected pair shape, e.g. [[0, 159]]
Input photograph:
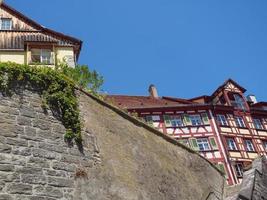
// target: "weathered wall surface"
[[121, 160], [35, 162]]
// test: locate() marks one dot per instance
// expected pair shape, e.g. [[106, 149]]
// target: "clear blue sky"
[[185, 47]]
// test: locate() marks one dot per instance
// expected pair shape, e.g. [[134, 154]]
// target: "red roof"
[[124, 101]]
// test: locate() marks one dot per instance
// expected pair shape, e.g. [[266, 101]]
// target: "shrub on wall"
[[57, 89]]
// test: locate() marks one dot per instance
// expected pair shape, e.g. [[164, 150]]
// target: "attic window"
[[5, 24]]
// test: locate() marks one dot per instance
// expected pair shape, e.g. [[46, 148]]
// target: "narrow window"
[[249, 145], [5, 24], [240, 122], [257, 124], [221, 119], [176, 121], [239, 170], [196, 120], [231, 144], [264, 143], [203, 144]]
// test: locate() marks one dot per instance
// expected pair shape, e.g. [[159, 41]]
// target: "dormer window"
[[41, 56], [5, 24], [237, 101]]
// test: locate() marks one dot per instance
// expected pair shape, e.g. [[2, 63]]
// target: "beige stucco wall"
[[17, 57], [65, 54], [23, 57]]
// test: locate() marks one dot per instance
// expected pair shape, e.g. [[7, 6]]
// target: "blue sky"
[[185, 47]]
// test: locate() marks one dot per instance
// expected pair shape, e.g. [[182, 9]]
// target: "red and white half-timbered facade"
[[226, 128]]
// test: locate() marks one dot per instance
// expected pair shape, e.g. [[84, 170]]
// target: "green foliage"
[[57, 88], [82, 76]]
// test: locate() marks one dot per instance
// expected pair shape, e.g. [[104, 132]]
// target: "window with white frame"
[[231, 144], [5, 24], [240, 122], [222, 120], [257, 123], [43, 56], [249, 145], [203, 144], [196, 120], [176, 121], [239, 170]]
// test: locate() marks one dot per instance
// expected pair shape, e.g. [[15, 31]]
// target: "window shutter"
[[167, 120], [149, 120], [221, 168], [194, 145], [187, 120], [213, 143], [205, 118]]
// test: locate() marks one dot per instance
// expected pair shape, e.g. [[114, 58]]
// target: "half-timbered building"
[[227, 128], [24, 41]]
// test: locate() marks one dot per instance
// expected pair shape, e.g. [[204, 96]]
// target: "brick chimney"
[[153, 91]]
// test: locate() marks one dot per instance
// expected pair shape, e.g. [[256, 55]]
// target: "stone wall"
[[35, 162], [122, 158]]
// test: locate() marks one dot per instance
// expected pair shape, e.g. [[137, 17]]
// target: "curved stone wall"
[[121, 157]]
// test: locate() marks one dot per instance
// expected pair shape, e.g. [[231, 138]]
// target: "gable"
[[24, 31], [231, 87], [18, 24]]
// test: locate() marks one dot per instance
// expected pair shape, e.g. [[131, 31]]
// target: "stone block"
[[24, 121], [23, 151], [7, 168], [52, 147], [29, 170], [38, 162], [48, 191], [28, 112], [5, 148], [33, 179], [60, 182], [43, 154], [19, 188], [41, 124], [17, 142], [6, 197], [63, 166]]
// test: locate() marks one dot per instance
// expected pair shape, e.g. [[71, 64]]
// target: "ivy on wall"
[[56, 88]]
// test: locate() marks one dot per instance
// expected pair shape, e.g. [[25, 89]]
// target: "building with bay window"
[[24, 41], [225, 127]]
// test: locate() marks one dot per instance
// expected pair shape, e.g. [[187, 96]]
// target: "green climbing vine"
[[57, 89]]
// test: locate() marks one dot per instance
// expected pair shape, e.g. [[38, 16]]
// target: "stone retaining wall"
[[35, 162]]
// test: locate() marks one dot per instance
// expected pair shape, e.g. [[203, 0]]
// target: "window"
[[173, 121], [240, 122], [239, 170], [222, 120], [196, 120], [264, 143], [257, 123], [5, 24], [231, 144], [237, 101], [176, 121], [43, 56], [185, 142], [203, 144], [249, 145]]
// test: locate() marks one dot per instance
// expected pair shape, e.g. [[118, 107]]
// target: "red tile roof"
[[124, 101]]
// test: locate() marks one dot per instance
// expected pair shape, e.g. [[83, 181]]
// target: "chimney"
[[153, 91], [1, 1], [252, 98]]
